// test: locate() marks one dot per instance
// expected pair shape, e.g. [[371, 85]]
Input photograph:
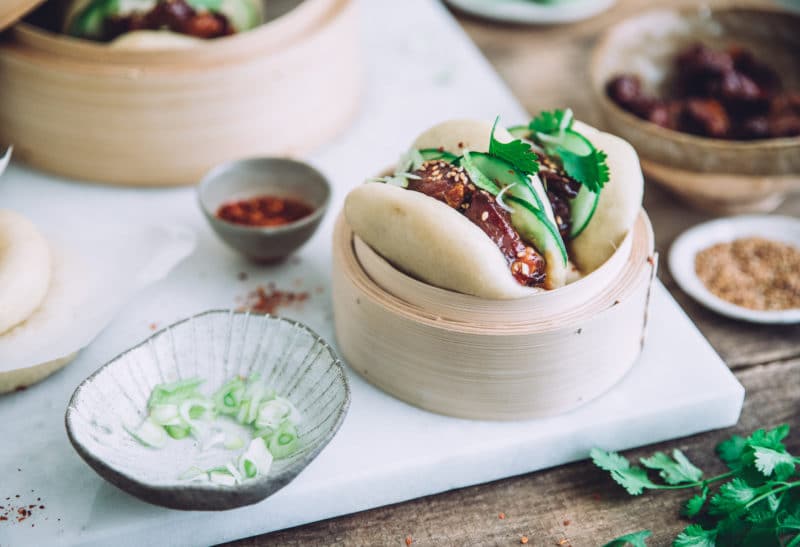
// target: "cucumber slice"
[[534, 226], [476, 175], [243, 14], [90, 21], [429, 154], [582, 206], [520, 131], [581, 210], [501, 174]]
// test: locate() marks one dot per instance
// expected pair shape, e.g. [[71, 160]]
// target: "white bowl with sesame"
[[744, 267]]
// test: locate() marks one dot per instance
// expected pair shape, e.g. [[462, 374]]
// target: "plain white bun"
[[619, 204], [455, 136], [154, 40], [430, 241], [25, 269]]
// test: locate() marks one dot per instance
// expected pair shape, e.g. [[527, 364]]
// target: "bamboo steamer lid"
[[491, 359], [12, 11]]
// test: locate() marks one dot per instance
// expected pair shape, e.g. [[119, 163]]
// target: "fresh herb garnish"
[[551, 123], [518, 153], [408, 162], [590, 170], [580, 159], [756, 504], [635, 539]]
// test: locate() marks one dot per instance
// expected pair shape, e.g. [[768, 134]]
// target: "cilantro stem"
[[701, 484], [785, 486]]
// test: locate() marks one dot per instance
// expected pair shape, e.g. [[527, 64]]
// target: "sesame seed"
[[484, 215]]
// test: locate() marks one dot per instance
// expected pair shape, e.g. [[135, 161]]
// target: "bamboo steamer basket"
[[720, 176], [475, 358], [88, 111]]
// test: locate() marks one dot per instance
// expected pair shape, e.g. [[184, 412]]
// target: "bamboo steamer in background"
[[88, 111], [470, 357], [722, 176]]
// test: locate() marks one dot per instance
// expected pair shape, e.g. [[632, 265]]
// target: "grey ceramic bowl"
[[242, 179], [216, 346]]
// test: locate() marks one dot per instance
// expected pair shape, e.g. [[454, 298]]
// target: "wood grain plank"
[[538, 504]]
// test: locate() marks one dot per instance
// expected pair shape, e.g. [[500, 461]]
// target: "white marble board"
[[419, 69]]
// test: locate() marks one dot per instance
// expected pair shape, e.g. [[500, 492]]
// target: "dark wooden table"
[[577, 504]]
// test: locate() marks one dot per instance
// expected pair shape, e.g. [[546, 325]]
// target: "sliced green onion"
[[174, 393], [234, 442], [272, 413], [256, 460], [149, 434], [284, 442], [499, 198], [228, 398], [165, 414], [193, 473], [178, 431], [223, 478]]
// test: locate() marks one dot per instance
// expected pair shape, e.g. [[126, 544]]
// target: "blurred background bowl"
[[722, 176], [281, 177]]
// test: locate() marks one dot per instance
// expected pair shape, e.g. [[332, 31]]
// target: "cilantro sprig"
[[757, 502], [517, 152], [553, 131]]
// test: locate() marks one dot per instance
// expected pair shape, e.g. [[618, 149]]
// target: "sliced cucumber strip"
[[476, 175], [90, 21], [581, 210], [501, 174], [534, 226], [520, 131], [429, 154]]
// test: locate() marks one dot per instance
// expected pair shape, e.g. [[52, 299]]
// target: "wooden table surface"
[[578, 504]]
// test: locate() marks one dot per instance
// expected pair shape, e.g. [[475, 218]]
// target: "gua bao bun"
[[446, 241], [148, 24], [25, 269]]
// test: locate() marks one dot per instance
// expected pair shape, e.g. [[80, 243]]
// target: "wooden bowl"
[[471, 357], [88, 111], [719, 175]]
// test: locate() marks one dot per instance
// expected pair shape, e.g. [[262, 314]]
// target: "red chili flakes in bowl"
[[264, 211], [752, 272]]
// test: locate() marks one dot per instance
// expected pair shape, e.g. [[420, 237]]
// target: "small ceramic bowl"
[[282, 177], [215, 346], [685, 248], [722, 176], [554, 12]]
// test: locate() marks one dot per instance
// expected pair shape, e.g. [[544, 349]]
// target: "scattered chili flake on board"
[[523, 540], [501, 516], [409, 540], [752, 272], [264, 211], [567, 522], [153, 326], [267, 300]]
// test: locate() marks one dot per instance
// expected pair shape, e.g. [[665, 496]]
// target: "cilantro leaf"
[[591, 170], [551, 123], [731, 451], [636, 539], [675, 470], [518, 153], [733, 496], [695, 504], [695, 536], [770, 439], [634, 479], [770, 461]]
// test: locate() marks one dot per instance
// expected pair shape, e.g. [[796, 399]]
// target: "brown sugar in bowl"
[[476, 358], [142, 117], [722, 176]]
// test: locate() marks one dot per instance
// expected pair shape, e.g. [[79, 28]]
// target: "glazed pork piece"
[[451, 185], [723, 94]]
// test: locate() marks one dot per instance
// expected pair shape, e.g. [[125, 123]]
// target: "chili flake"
[[268, 299], [264, 211]]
